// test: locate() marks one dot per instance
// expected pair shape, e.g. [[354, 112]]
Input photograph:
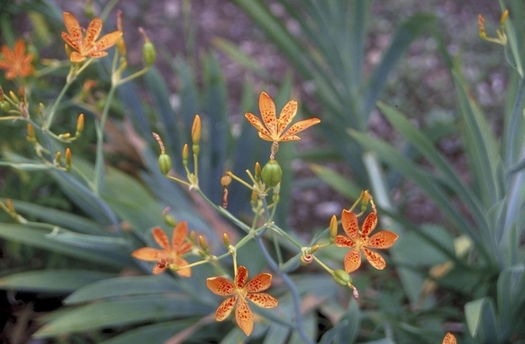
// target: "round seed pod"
[[272, 173], [164, 163], [342, 277]]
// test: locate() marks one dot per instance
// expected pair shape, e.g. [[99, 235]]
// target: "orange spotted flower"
[[170, 255], [16, 61], [360, 240], [274, 129], [239, 292], [449, 339], [87, 46]]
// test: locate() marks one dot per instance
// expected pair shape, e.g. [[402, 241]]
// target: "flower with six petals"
[[171, 254], [274, 129], [359, 240], [87, 46], [239, 291], [16, 61]]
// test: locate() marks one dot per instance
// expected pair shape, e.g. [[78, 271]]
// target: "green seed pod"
[[164, 163], [4, 106], [170, 220], [149, 53], [342, 277], [272, 173]]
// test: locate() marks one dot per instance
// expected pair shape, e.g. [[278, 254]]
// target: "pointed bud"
[[202, 243], [58, 156], [503, 18], [192, 236], [226, 240], [185, 155], [9, 205], [65, 136], [257, 172], [272, 173], [148, 50], [342, 277], [68, 159], [196, 130], [80, 124], [31, 137], [13, 96], [314, 248], [333, 228]]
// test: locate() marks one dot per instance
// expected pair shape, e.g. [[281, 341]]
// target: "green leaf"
[[482, 320], [511, 300], [93, 242], [237, 55], [339, 183], [415, 250], [156, 333], [38, 238], [53, 281], [123, 286], [123, 312]]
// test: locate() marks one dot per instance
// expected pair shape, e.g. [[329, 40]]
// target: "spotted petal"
[[261, 129], [107, 41], [244, 316], [225, 308], [263, 300], [186, 272], [374, 259], [242, 277], [180, 232], [352, 260], [74, 35], [161, 238], [350, 224], [343, 241], [267, 109], [148, 254], [449, 339], [220, 286], [382, 239], [287, 115], [259, 283], [369, 224], [289, 135], [93, 30]]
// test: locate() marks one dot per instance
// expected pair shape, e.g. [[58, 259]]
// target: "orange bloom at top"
[[16, 61], [358, 241], [87, 46], [239, 292], [449, 339], [272, 128], [169, 255]]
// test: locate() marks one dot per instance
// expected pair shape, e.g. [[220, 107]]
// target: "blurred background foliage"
[[435, 154]]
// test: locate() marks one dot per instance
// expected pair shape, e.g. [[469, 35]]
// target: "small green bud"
[[170, 220], [272, 173], [342, 277], [4, 105], [164, 163]]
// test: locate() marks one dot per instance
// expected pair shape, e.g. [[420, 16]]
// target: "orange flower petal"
[[259, 283], [97, 54], [263, 300], [242, 277], [185, 247], [225, 308], [74, 35], [220, 286], [158, 270], [109, 40], [369, 224], [343, 241], [244, 317], [180, 232], [256, 122], [186, 272], [267, 109], [161, 238], [352, 260], [382, 239], [350, 224], [19, 49], [93, 30], [449, 339], [374, 259], [76, 57], [287, 115], [148, 254], [298, 127]]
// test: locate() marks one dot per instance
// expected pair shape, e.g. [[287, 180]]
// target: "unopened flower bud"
[[185, 155], [31, 137], [69, 159], [342, 277], [257, 172], [65, 136], [226, 240], [196, 130], [271, 173], [10, 206], [58, 156], [333, 228], [80, 124], [170, 220], [149, 54], [13, 97], [203, 244], [4, 106], [164, 163], [504, 17]]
